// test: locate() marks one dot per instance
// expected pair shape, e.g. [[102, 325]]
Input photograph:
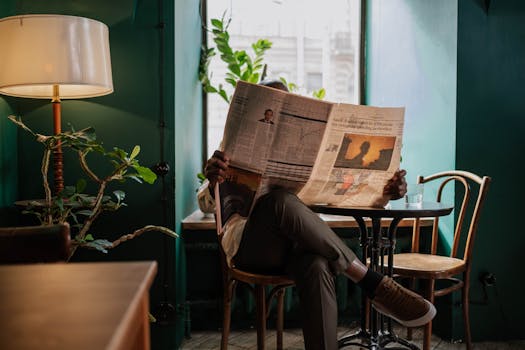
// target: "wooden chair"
[[34, 244], [430, 267], [257, 284]]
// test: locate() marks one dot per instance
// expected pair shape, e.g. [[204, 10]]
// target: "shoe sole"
[[418, 322]]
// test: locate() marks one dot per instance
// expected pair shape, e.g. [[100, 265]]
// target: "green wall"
[[8, 154], [411, 59], [459, 71], [8, 164], [129, 116], [490, 128], [188, 116]]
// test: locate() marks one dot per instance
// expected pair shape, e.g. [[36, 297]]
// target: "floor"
[[293, 340]]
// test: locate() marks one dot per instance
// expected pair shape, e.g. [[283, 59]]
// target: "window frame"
[[361, 94]]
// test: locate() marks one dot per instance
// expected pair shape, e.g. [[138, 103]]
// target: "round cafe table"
[[378, 333]]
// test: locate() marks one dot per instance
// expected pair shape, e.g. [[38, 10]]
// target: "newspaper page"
[[280, 139], [360, 152], [272, 138]]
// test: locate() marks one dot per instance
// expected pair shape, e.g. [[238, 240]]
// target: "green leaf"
[[231, 81], [145, 173], [235, 69], [320, 94], [118, 153], [224, 48], [85, 212], [101, 245], [134, 177], [210, 89], [224, 95], [89, 237], [217, 23], [201, 177], [120, 195], [246, 75], [60, 203], [81, 185], [229, 59], [135, 152]]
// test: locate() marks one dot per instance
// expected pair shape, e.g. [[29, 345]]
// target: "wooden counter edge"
[[129, 332]]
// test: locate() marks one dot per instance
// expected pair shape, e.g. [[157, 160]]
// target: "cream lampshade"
[[54, 57]]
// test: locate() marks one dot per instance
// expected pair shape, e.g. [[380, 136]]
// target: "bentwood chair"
[[34, 244], [454, 268], [257, 284]]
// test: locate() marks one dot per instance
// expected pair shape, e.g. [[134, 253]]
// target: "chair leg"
[[368, 306], [428, 326], [261, 316], [411, 286], [229, 286], [466, 314], [280, 318]]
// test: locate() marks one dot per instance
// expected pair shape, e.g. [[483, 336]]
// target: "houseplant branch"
[[71, 204]]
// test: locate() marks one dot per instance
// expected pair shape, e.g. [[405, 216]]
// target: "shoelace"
[[398, 298]]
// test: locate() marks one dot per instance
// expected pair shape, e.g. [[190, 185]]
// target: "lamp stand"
[[58, 157]]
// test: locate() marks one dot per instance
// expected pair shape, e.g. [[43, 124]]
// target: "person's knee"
[[318, 266], [312, 268], [281, 197], [285, 204]]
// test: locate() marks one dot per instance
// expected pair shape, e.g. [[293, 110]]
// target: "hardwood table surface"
[[394, 209], [199, 221], [74, 305]]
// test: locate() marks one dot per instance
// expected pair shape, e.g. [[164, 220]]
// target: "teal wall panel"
[[411, 60], [458, 69], [490, 129], [188, 116], [8, 161]]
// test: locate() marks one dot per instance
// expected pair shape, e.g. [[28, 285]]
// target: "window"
[[315, 44], [314, 81]]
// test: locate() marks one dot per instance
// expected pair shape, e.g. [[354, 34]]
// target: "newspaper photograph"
[[326, 153], [360, 152]]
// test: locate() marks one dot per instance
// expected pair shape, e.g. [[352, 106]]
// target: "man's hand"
[[216, 167], [396, 187]]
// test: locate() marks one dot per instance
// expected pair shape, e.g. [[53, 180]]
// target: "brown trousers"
[[283, 235]]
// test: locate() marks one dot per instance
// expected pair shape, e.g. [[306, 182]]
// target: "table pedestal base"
[[375, 246], [364, 339]]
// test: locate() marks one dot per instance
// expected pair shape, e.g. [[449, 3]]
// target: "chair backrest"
[[468, 213], [34, 244]]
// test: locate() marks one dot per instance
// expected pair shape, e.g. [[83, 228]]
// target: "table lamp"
[[54, 57]]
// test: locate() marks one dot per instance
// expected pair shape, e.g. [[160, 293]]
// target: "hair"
[[276, 84], [268, 110]]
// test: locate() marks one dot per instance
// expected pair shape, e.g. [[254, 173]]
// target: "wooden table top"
[[392, 210], [199, 221], [70, 306]]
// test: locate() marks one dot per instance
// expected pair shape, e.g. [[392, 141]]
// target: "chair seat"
[[255, 278], [427, 265]]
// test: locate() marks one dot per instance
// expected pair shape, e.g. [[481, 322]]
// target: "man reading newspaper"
[[279, 234]]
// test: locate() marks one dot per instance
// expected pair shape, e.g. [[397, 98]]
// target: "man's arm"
[[396, 187], [216, 168], [214, 171]]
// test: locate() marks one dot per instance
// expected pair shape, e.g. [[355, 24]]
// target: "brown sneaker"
[[403, 305]]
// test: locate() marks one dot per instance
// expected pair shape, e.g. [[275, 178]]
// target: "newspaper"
[[327, 153]]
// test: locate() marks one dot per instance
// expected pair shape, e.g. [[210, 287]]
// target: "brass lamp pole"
[[58, 156]]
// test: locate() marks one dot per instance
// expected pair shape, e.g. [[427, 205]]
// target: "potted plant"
[[81, 209]]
